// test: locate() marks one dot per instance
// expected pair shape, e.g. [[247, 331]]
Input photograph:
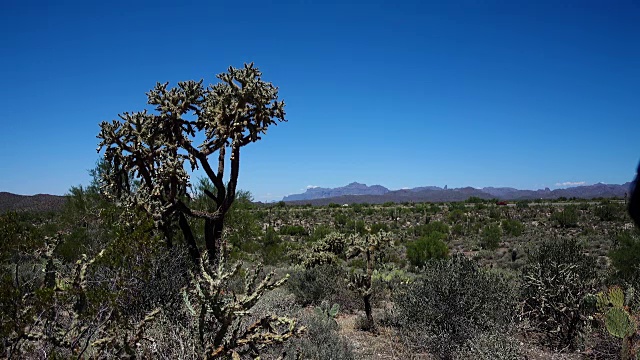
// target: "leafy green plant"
[[428, 247], [625, 257], [491, 236], [512, 227]]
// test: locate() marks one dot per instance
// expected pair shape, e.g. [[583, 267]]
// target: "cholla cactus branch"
[[147, 152], [218, 313]]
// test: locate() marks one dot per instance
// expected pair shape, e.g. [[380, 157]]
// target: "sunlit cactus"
[[147, 152]]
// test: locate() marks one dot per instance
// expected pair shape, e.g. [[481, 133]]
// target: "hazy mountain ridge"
[[437, 194], [39, 202], [354, 188]]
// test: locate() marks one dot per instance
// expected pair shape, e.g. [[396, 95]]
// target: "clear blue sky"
[[463, 93]]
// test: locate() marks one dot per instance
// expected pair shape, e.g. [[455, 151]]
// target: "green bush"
[[567, 217], [321, 341], [512, 227], [625, 257], [273, 250], [322, 282], [293, 230], [426, 248], [377, 227], [490, 237], [451, 302], [436, 226], [556, 280], [609, 211]]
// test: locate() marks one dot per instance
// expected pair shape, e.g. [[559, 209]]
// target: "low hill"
[[39, 202]]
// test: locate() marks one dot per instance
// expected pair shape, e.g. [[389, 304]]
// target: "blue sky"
[[527, 94]]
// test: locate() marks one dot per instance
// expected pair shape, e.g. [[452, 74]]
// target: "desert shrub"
[[456, 216], [512, 227], [556, 279], [609, 211], [273, 249], [490, 346], [436, 226], [428, 247], [567, 217], [322, 340], [625, 257], [293, 230], [323, 282], [377, 227], [495, 213], [451, 302], [522, 204], [457, 229], [320, 232], [490, 237]]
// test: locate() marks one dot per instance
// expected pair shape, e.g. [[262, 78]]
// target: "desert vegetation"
[[146, 262]]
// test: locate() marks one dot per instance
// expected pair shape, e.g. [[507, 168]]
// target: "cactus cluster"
[[619, 321], [219, 314]]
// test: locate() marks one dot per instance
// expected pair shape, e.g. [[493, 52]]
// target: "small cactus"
[[618, 321], [328, 311]]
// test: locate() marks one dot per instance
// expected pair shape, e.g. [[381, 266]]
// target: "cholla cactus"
[[366, 246], [147, 152], [618, 320], [325, 251], [219, 312]]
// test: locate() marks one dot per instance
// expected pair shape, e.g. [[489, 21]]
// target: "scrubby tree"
[[147, 151]]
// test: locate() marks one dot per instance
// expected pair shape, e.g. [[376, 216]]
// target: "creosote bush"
[[426, 248], [451, 302]]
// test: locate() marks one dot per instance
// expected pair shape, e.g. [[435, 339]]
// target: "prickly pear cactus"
[[619, 321]]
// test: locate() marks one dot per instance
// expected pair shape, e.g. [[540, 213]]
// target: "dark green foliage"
[[474, 200], [568, 217], [491, 236], [273, 249], [609, 211], [377, 227], [512, 227], [625, 258], [321, 283], [428, 247], [458, 230], [320, 232], [435, 226], [522, 204], [495, 213], [451, 302], [456, 216], [293, 230], [556, 280]]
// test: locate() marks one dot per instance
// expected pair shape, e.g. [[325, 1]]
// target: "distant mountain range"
[[377, 194], [39, 202]]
